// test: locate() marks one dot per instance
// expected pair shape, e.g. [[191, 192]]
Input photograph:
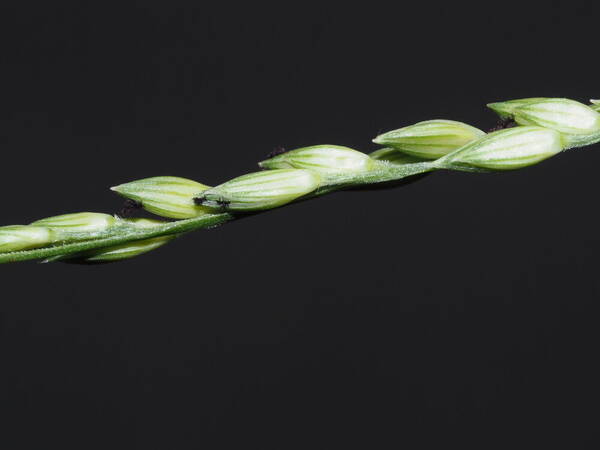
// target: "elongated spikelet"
[[120, 252], [22, 237], [261, 190], [560, 114], [78, 222], [507, 108], [171, 197], [430, 139], [324, 159], [129, 250], [117, 252], [508, 149], [541, 128]]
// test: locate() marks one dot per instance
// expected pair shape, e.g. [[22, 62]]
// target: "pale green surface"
[[560, 114], [430, 139], [394, 156], [512, 148], [127, 232], [262, 190], [171, 197], [323, 159], [21, 237], [85, 222], [506, 109], [93, 237], [121, 236], [117, 252]]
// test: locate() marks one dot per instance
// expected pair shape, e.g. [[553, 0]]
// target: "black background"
[[458, 310]]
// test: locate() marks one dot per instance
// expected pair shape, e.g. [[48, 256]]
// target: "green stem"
[[122, 237], [383, 172]]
